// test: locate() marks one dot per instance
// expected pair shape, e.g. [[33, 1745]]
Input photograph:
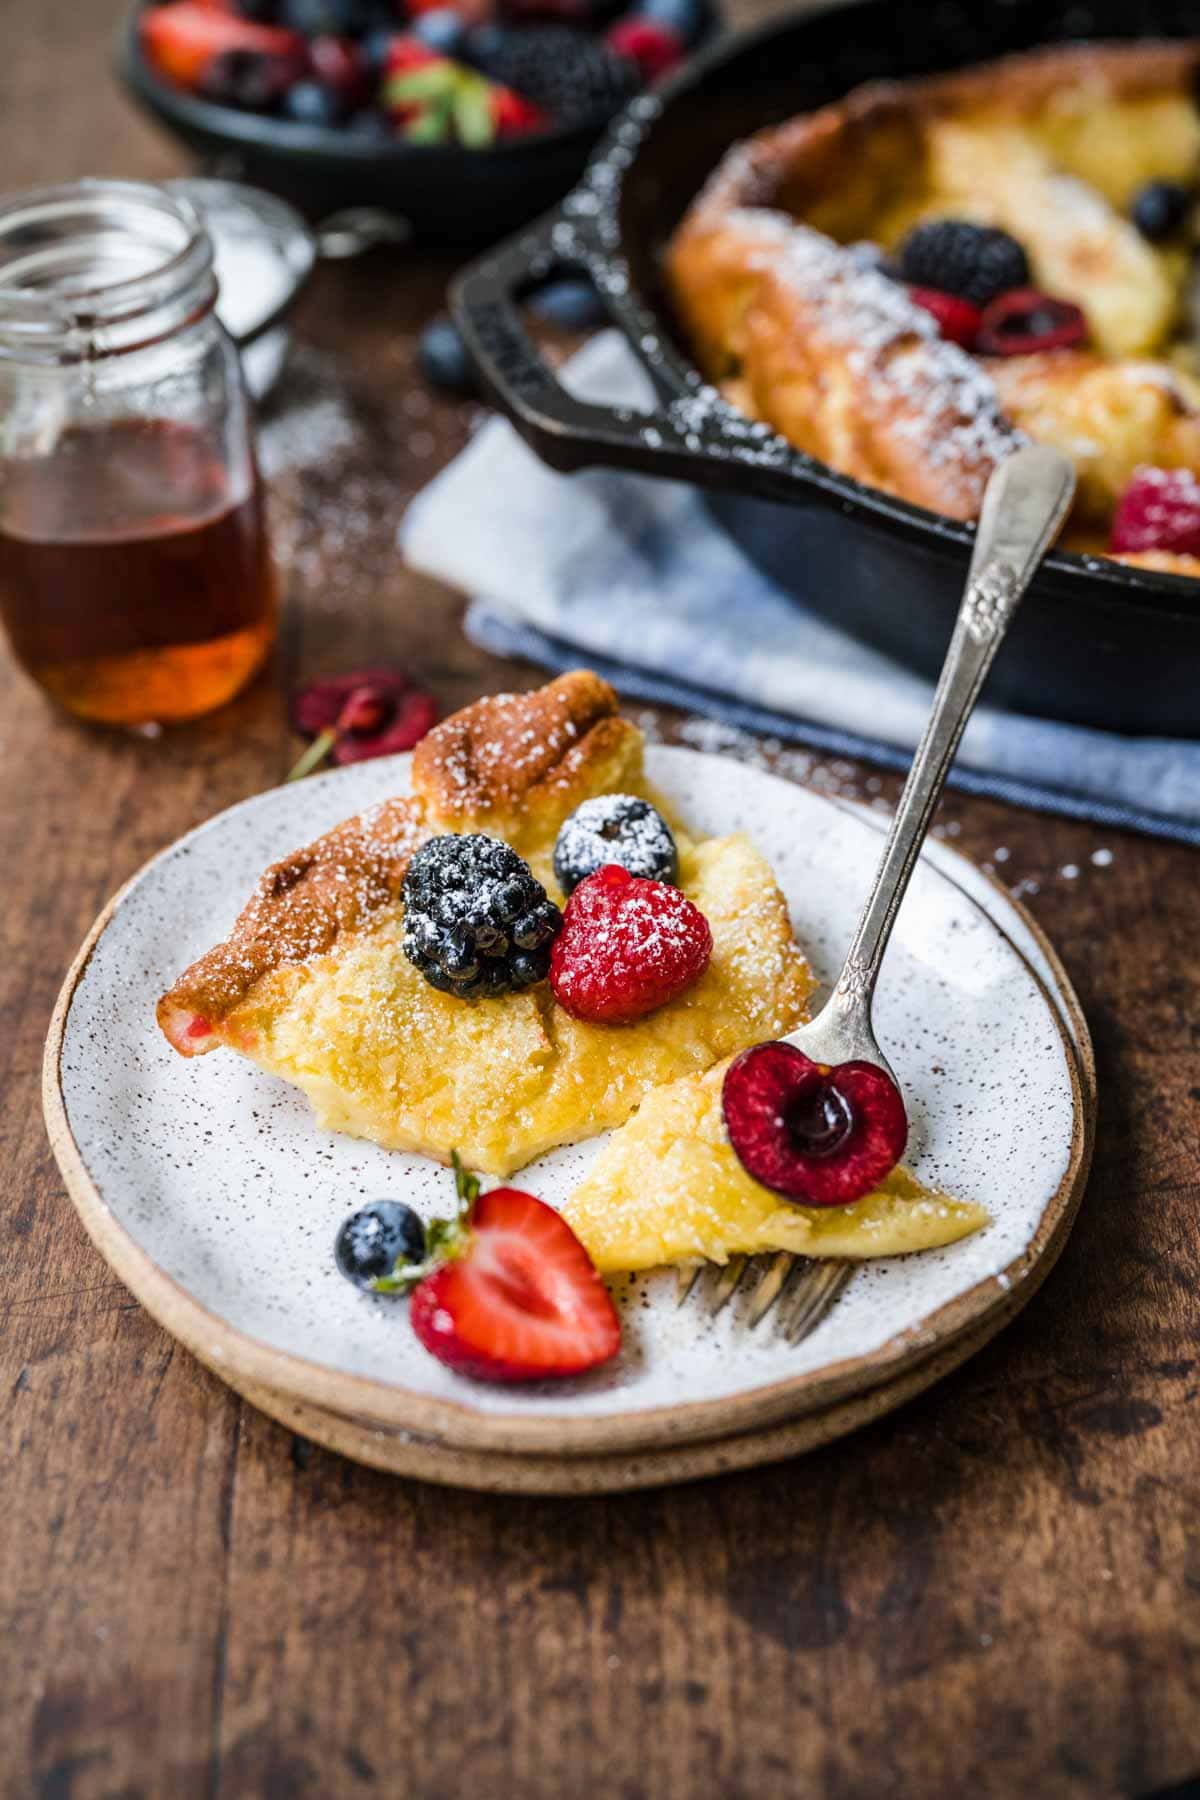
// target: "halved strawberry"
[[181, 39], [407, 52], [506, 1291]]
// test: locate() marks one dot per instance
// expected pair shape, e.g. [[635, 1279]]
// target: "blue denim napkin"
[[631, 576]]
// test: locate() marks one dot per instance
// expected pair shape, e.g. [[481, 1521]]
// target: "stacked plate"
[[215, 1198]]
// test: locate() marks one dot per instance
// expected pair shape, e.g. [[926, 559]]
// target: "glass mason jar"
[[136, 582]]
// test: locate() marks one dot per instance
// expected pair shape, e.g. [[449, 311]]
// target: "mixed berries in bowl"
[[324, 99]]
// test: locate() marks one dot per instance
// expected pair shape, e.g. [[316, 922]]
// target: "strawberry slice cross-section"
[[521, 1301]]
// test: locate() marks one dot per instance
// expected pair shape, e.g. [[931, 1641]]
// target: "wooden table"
[[996, 1590]]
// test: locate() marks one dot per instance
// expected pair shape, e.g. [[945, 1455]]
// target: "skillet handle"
[[692, 436]]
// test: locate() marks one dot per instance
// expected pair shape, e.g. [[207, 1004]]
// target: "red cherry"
[[349, 718], [1024, 321], [820, 1136], [400, 725]]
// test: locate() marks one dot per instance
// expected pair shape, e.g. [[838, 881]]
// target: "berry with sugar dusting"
[[626, 947], [615, 828], [1159, 510], [821, 1136], [375, 1238], [477, 922]]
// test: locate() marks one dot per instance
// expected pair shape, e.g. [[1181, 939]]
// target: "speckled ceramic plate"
[[411, 1454], [215, 1197]]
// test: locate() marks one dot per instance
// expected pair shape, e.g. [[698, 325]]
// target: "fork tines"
[[802, 1289]]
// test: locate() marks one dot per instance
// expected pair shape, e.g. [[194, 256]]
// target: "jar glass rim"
[[93, 267]]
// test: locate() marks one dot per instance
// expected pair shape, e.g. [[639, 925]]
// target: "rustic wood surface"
[[995, 1591]]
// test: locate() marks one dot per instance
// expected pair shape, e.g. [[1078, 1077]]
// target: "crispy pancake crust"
[[313, 983], [507, 759]]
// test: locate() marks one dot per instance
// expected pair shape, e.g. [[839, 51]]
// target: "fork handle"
[[1026, 502]]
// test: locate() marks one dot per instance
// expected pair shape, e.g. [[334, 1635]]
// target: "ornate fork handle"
[[1026, 503]]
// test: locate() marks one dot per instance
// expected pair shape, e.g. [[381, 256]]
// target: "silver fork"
[[1027, 499]]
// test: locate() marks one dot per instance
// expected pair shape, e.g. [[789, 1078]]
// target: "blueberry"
[[1160, 209], [440, 31], [333, 18], [376, 46], [444, 360], [615, 828], [575, 305], [309, 103], [374, 1239], [370, 127], [688, 19]]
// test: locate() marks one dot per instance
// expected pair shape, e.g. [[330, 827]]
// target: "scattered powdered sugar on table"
[[841, 779], [329, 452], [308, 423], [827, 775]]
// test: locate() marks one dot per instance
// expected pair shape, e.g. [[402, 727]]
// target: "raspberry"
[[821, 1136], [1026, 321], [626, 947], [957, 319], [1159, 510], [652, 48]]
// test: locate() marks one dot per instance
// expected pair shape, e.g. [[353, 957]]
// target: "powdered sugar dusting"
[[627, 946], [951, 408]]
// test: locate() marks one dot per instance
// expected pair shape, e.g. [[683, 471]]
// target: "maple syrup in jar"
[[136, 582]]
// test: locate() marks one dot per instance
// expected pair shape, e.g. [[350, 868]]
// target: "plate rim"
[[226, 1349]]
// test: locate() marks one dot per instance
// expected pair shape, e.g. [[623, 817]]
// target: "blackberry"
[[477, 922], [252, 79], [615, 828], [976, 262], [564, 72]]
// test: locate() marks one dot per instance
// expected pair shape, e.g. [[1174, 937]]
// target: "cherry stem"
[[315, 755]]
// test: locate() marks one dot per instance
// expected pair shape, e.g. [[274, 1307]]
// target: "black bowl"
[[1095, 643], [449, 195]]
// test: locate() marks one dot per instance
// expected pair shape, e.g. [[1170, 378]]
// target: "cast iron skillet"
[[1094, 643]]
